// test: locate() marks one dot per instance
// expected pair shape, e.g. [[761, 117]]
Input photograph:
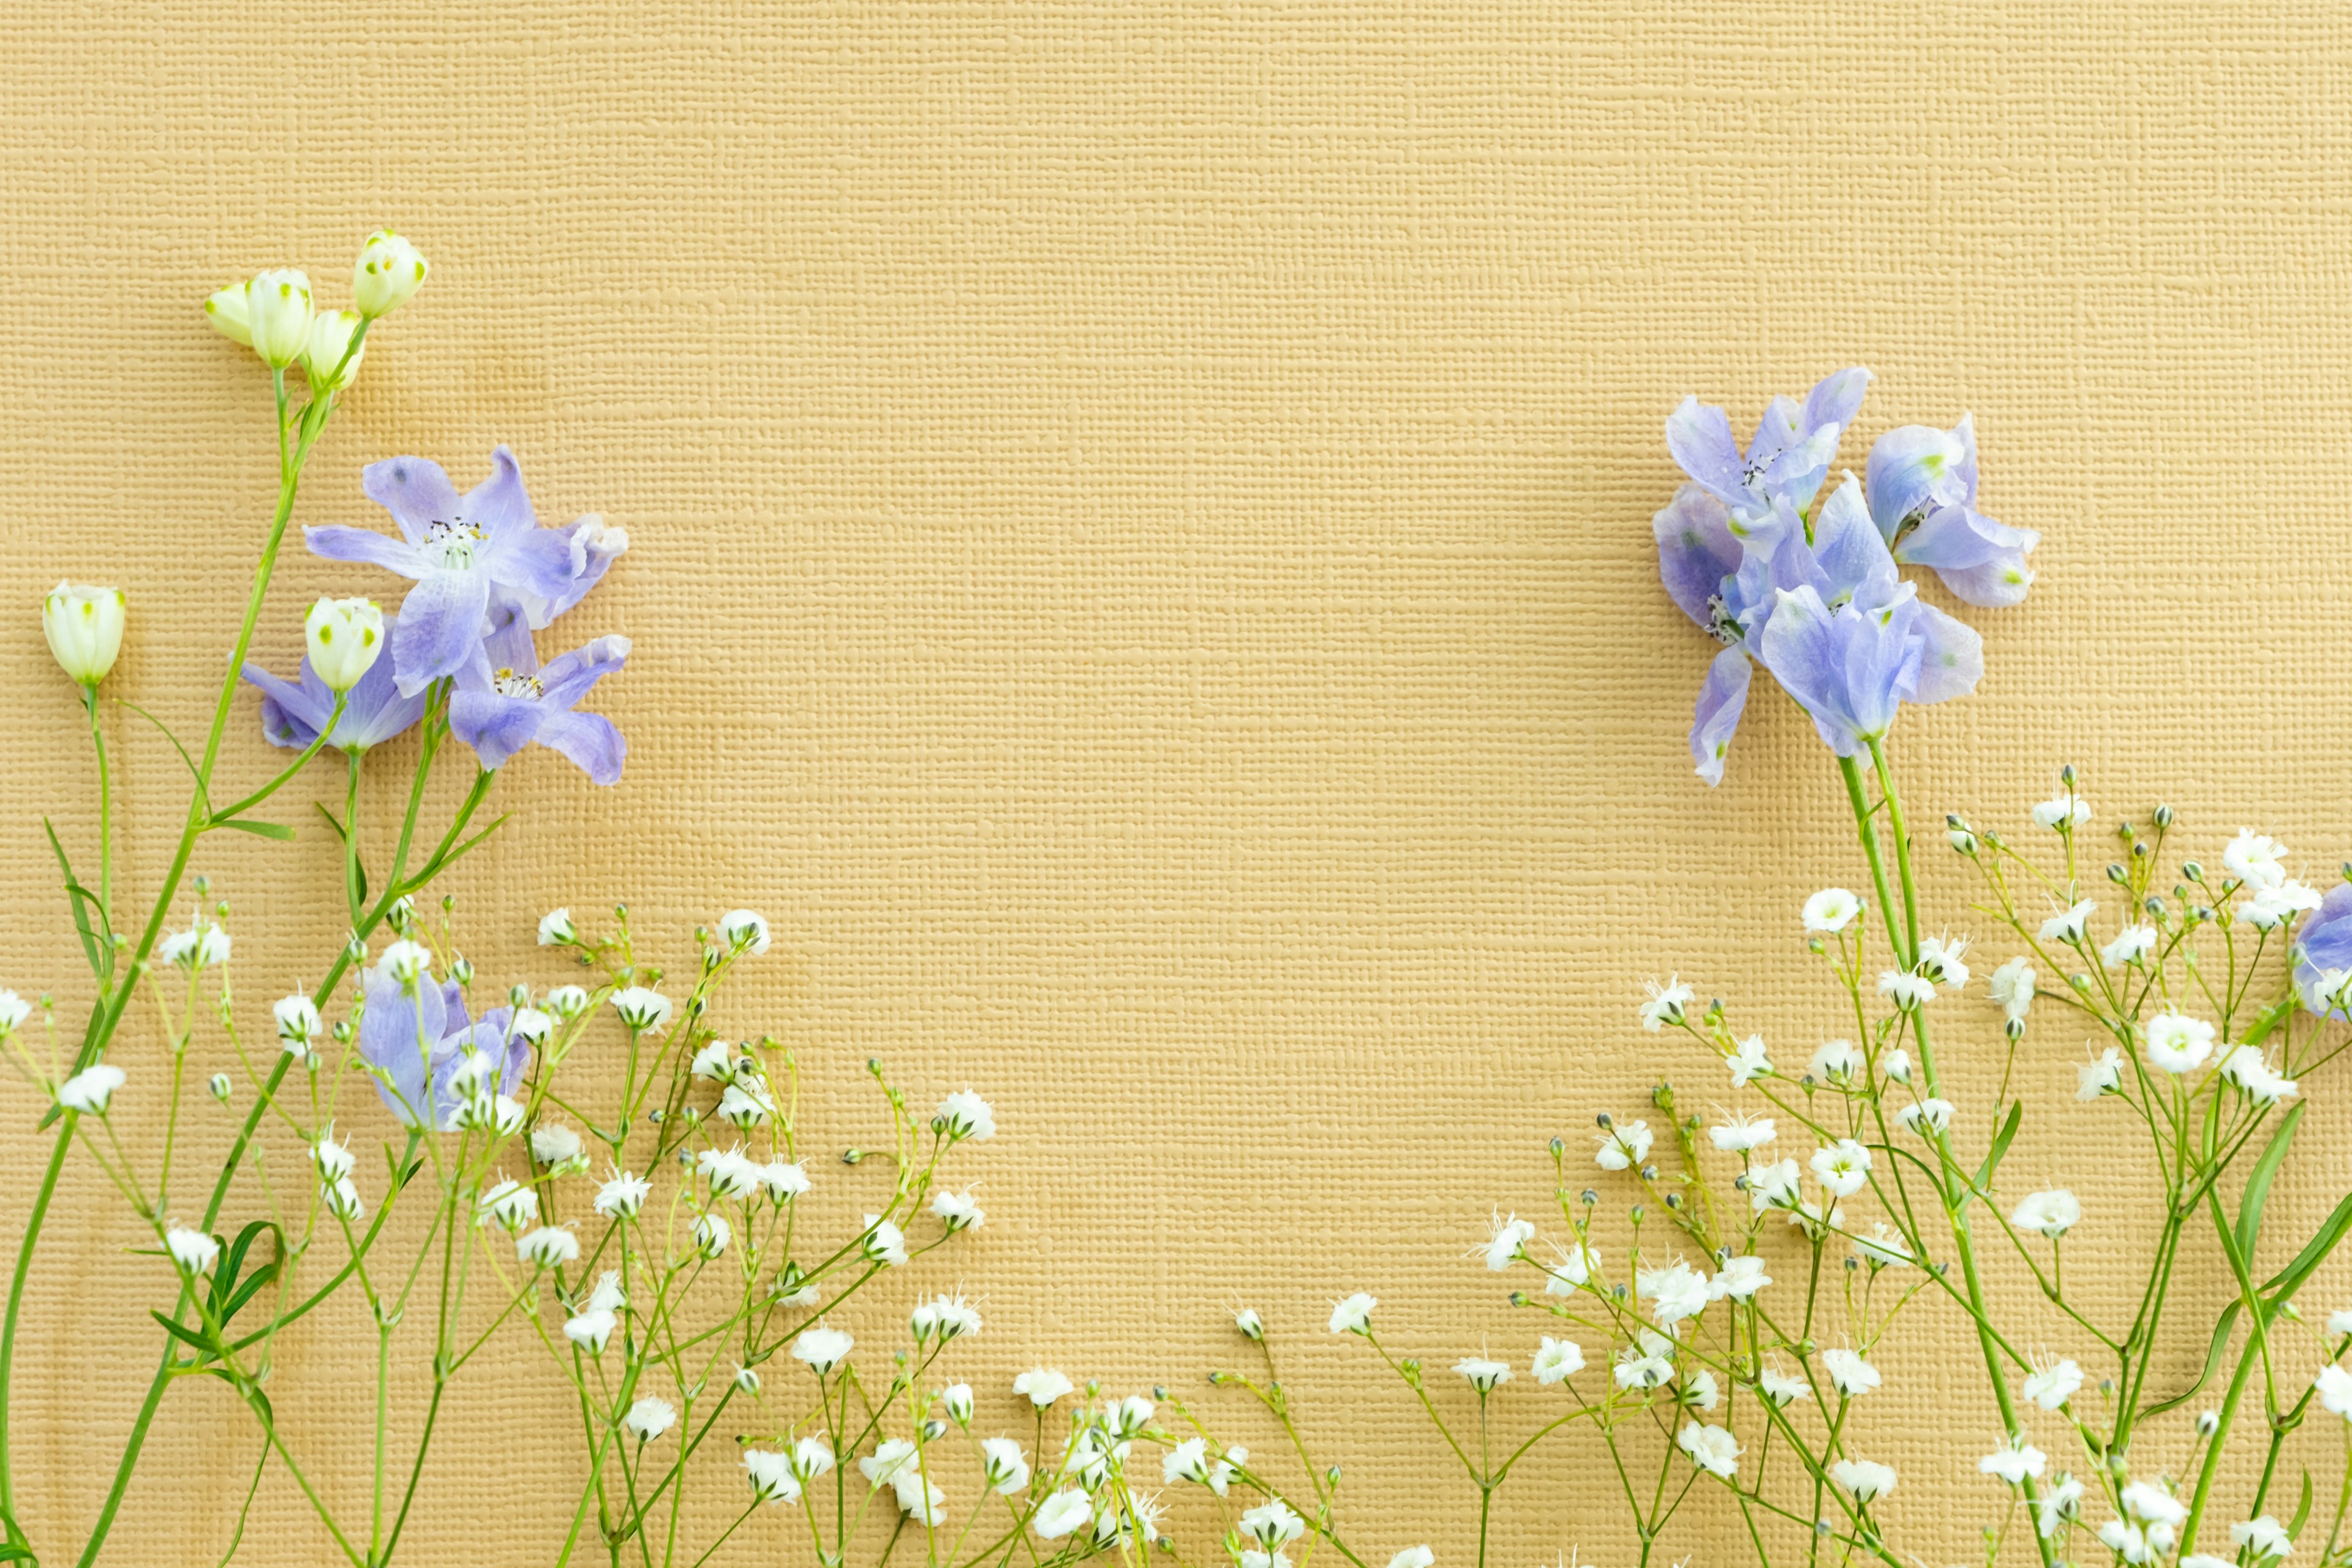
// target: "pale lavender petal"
[[390, 1030], [1847, 669], [1797, 471], [1912, 469], [366, 544], [537, 564], [568, 677], [1784, 564], [290, 713], [499, 506], [1852, 557], [1956, 536], [588, 739], [375, 712], [416, 491], [2324, 942], [1952, 657], [496, 727], [1699, 436], [1775, 432], [1695, 552], [1721, 702], [440, 626], [1996, 585], [1836, 398]]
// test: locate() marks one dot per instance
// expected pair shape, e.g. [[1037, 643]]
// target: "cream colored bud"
[[277, 309], [388, 271], [229, 314], [331, 339], [346, 635], [84, 626]]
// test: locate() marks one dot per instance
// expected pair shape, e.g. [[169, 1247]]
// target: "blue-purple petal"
[[1915, 469], [2323, 942], [1836, 398], [539, 565], [567, 677], [415, 491], [440, 625], [499, 506], [1951, 656], [1695, 552], [496, 727], [589, 740], [1851, 556], [366, 545], [1715, 715], [1699, 436], [391, 1029]]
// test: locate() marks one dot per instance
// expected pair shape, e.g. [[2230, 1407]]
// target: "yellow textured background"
[[1143, 569]]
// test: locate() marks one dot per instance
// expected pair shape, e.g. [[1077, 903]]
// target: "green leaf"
[[2258, 1184], [2229, 1319], [2282, 1286], [2268, 1020], [162, 730], [277, 830], [186, 1335], [334, 823], [2000, 1143], [79, 899], [17, 1554], [451, 858], [2302, 1509]]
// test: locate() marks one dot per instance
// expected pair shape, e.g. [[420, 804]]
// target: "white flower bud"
[[84, 626], [641, 1008], [745, 931], [298, 1023], [711, 1235], [555, 928], [345, 638], [956, 1402], [341, 1198], [277, 312], [511, 1204], [228, 313], [552, 1143], [89, 1089], [387, 273], [331, 358], [567, 1002], [334, 1160], [548, 1247], [14, 1011], [406, 963], [649, 1419], [218, 1085], [531, 1025], [191, 1249]]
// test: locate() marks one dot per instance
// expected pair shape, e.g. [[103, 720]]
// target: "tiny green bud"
[[2014, 1028], [2115, 872], [853, 1156], [2162, 816], [2066, 775], [2193, 871]]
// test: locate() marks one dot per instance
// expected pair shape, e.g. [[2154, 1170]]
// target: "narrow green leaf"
[[194, 776], [184, 1334], [2258, 1184], [2281, 1287], [76, 896], [2302, 1509], [277, 830], [2000, 1143], [2229, 1319]]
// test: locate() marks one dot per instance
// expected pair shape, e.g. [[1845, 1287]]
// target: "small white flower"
[[730, 1173], [83, 623], [2070, 926], [2274, 906], [1227, 1468], [1061, 1513], [1866, 1479], [1648, 1363], [1558, 1360], [2340, 1321], [957, 1211], [2335, 1387], [344, 637], [890, 1458], [1940, 960], [1667, 1003], [1249, 1324], [1831, 911], [648, 1418], [343, 1199], [334, 1161], [1738, 1280], [1739, 1134], [964, 1114], [2176, 1042], [509, 1203], [745, 931], [742, 1107], [556, 930], [641, 1008], [200, 946], [715, 1062], [1483, 1375], [1273, 1525], [89, 1089], [2012, 987], [2053, 1213], [1884, 1248], [711, 1233], [548, 1247], [1849, 1373], [2127, 1541], [1624, 1145], [2103, 1075], [531, 1025], [1748, 1062], [772, 1476], [191, 1249], [822, 1347], [407, 964], [2131, 944], [567, 1002], [1897, 1066], [1773, 1186], [1004, 1466], [621, 1196], [2062, 1501], [2251, 1072], [1836, 1062], [783, 1180], [811, 1457], [1905, 991], [1933, 1114], [14, 1011], [2151, 1502], [1413, 1557], [1780, 1388], [1711, 1448], [592, 1328], [2016, 1461], [883, 1242], [2265, 1534], [552, 1143], [2256, 859], [1678, 1290], [1699, 1390], [298, 1024], [1573, 1266], [1507, 1244], [1843, 1167], [945, 1318], [388, 273], [1187, 1461], [2063, 812], [1042, 1385], [1353, 1315], [2053, 1384]]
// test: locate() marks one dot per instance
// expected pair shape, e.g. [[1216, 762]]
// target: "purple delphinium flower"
[[2322, 948], [504, 701], [1853, 666], [468, 556], [293, 711], [1787, 459], [418, 1041], [1923, 493]]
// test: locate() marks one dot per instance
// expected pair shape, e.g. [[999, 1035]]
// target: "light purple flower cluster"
[[1809, 588], [487, 577]]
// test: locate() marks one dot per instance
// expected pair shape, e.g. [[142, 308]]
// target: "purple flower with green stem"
[[1787, 458], [1923, 495], [468, 554], [293, 712], [504, 701], [418, 1039]]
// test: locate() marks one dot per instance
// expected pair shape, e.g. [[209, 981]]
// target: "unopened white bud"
[[331, 356], [388, 272], [278, 313], [345, 637], [84, 625], [218, 1086], [228, 313], [567, 1002]]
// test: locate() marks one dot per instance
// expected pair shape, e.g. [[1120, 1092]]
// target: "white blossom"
[[2102, 1075], [1836, 1062], [200, 946], [1738, 1135], [2015, 1461], [556, 930], [2256, 859], [1004, 1467], [771, 1476], [2063, 812], [1739, 1278], [745, 931], [1272, 1524], [1507, 1243], [711, 1233], [83, 623], [2251, 1072], [1483, 1375], [2176, 1042], [2274, 906], [623, 1195], [590, 1330], [957, 1211], [1932, 1113], [1042, 1385], [641, 1008], [1938, 959], [1667, 1003], [1747, 1061], [1646, 1364], [548, 1247], [784, 1180], [2070, 926], [388, 273], [191, 1249], [1711, 1448], [1866, 1479], [1843, 1167], [1884, 1248], [1849, 1374], [2053, 1213], [2052, 1384], [2265, 1534], [567, 1002], [91, 1089], [1624, 1145], [822, 1347], [1831, 911], [14, 1011], [883, 1242], [1557, 1360], [2131, 944], [1905, 991], [1773, 1186], [945, 1317], [1062, 1513], [811, 1457], [648, 1418], [1782, 1388], [1678, 1290], [2335, 1387], [2012, 987], [1353, 1314], [964, 1114], [298, 1024], [2147, 1501], [552, 1143]]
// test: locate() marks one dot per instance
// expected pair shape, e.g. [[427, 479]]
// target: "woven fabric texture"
[[1142, 569]]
